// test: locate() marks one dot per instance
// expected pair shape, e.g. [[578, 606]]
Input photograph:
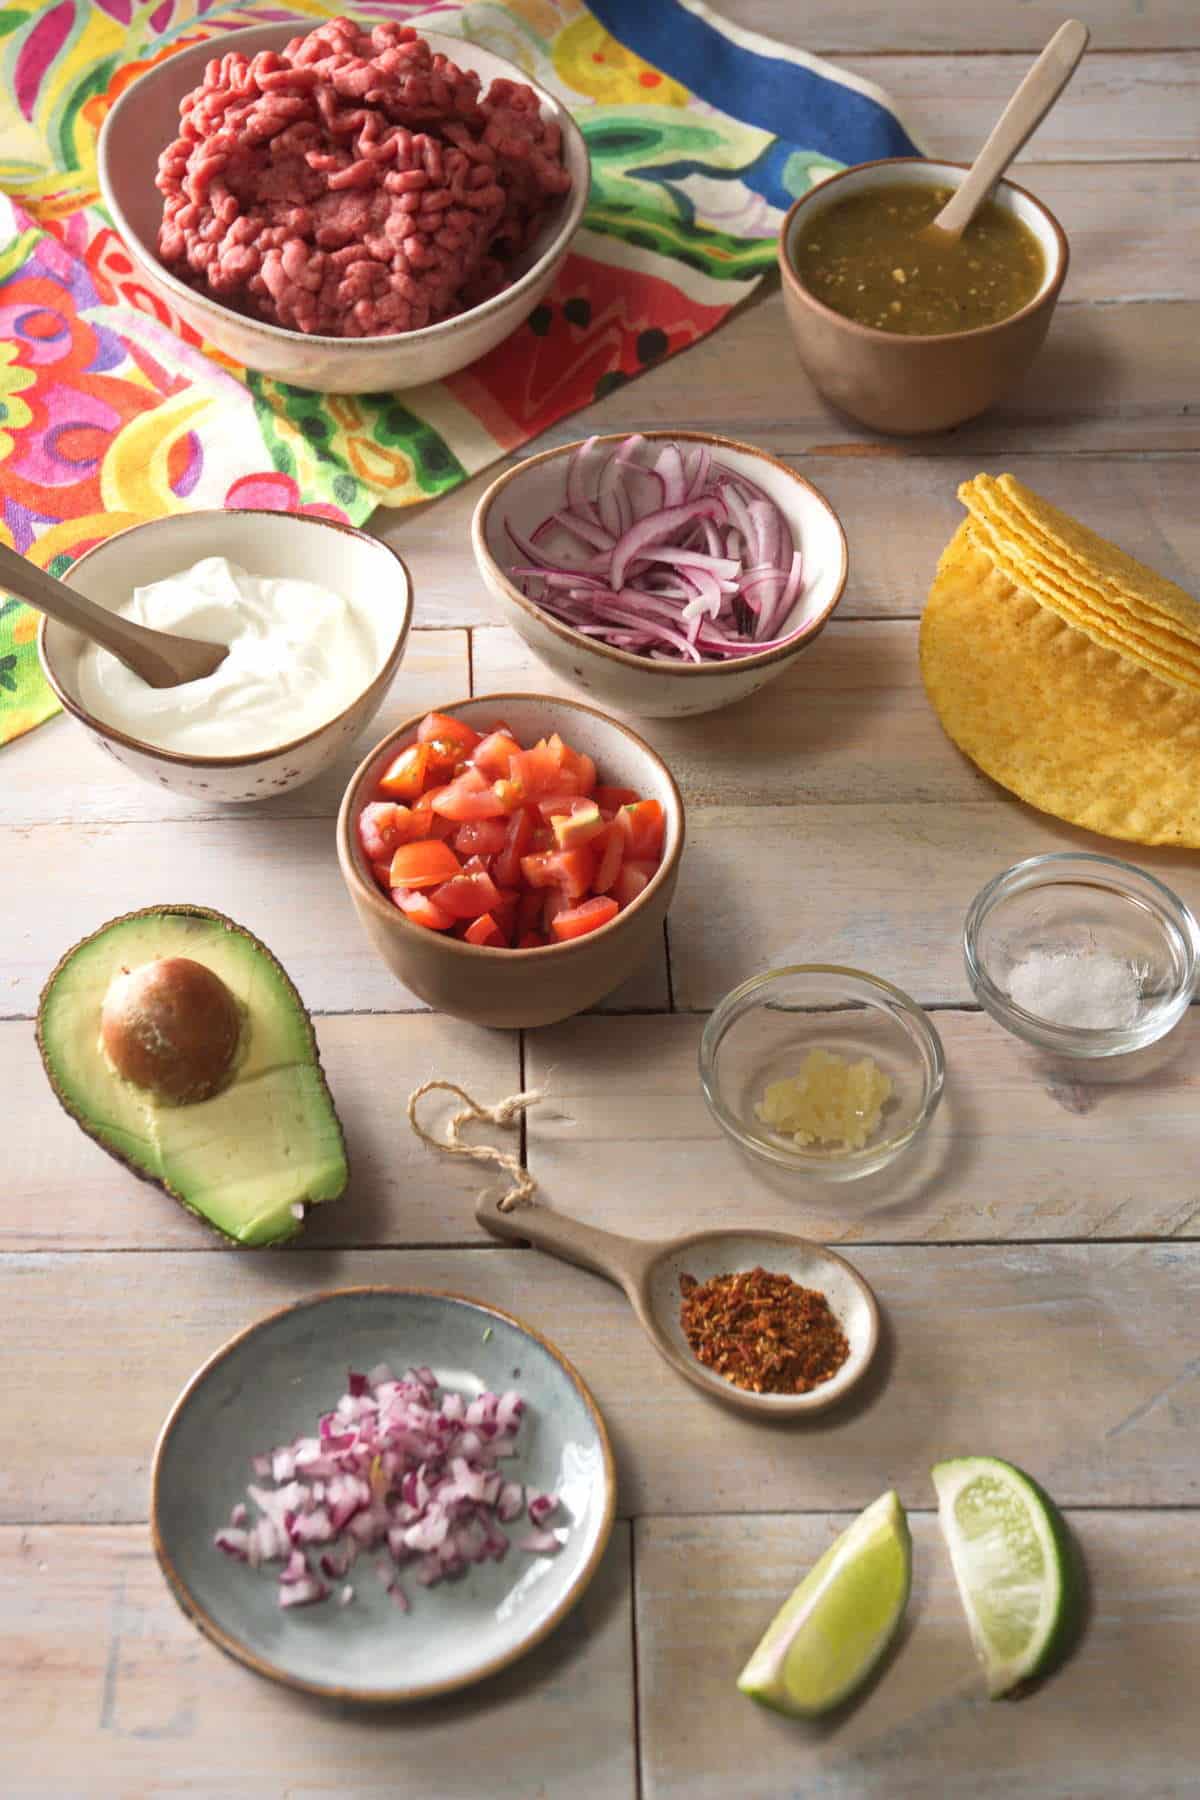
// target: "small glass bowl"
[[762, 1031], [1069, 901]]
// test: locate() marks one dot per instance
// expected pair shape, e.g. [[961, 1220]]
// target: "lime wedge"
[[1014, 1567], [825, 1640]]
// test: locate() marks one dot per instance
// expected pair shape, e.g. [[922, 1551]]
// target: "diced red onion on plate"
[[675, 555], [396, 1468]]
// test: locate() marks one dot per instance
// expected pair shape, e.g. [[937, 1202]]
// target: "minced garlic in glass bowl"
[[822, 1069]]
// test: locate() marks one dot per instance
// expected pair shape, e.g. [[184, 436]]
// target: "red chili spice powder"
[[761, 1331]]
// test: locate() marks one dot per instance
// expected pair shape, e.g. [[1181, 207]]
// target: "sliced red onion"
[[542, 1507], [578, 480], [669, 467], [674, 548], [593, 535], [346, 1595]]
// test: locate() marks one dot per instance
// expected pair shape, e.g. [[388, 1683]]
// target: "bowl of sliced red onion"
[[665, 573], [382, 1494]]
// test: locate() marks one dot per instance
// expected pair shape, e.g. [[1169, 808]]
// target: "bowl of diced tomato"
[[512, 857]]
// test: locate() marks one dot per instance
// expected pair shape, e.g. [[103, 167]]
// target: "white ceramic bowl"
[[146, 119], [291, 545], [532, 490]]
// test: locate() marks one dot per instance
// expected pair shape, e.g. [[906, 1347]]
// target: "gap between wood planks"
[[635, 1667], [441, 1245], [82, 1527]]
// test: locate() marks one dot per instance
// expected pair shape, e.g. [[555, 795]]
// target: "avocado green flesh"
[[242, 1159]]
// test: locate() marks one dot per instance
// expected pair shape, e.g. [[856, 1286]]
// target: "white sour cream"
[[298, 656]]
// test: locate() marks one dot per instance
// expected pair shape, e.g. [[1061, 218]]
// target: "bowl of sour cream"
[[315, 614]]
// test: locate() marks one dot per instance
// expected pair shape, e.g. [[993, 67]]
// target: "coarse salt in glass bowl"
[[762, 1032], [1083, 955]]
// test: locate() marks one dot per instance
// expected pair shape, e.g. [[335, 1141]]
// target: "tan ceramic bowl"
[[146, 119], [909, 385], [512, 988], [299, 546], [528, 493]]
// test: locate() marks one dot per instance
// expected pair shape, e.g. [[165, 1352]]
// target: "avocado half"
[[251, 1157]]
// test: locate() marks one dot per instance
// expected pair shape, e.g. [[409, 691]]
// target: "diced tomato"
[[556, 803], [382, 828], [440, 728], [576, 921], [536, 772], [485, 930], [628, 885], [424, 864], [481, 837], [568, 870], [517, 840], [467, 896], [505, 913], [554, 903], [645, 823], [494, 753], [500, 844], [610, 849], [610, 799], [469, 796], [579, 770], [404, 777], [509, 794], [429, 823], [579, 826], [529, 911], [421, 909]]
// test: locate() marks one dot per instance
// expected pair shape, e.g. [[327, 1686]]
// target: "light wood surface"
[[1078, 1361], [121, 1697], [1036, 1261], [705, 1586]]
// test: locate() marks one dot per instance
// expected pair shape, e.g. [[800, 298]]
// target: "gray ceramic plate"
[[268, 1385]]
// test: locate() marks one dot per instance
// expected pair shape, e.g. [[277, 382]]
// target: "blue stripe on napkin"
[[806, 108]]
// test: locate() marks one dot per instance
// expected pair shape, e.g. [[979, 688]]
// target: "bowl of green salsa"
[[908, 335]]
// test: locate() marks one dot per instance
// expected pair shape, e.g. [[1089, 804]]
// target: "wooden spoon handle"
[[1019, 120], [134, 645], [620, 1259]]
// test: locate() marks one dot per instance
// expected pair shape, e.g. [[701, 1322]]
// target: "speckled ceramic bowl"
[[514, 988], [296, 545], [530, 492], [146, 119], [268, 1385]]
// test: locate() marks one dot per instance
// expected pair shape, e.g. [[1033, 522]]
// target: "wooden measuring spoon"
[[649, 1273], [162, 659], [1017, 123]]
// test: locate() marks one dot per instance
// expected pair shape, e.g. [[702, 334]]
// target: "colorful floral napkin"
[[113, 411]]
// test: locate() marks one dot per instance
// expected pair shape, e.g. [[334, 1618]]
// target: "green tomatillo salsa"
[[863, 256]]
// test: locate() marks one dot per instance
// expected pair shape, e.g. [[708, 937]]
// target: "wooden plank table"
[[1038, 1262]]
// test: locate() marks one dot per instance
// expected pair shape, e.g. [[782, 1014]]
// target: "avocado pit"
[[171, 1027]]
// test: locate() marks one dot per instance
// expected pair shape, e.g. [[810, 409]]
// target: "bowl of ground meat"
[[355, 209]]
